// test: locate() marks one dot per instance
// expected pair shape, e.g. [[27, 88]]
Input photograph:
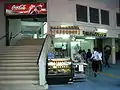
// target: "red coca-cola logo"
[[20, 7]]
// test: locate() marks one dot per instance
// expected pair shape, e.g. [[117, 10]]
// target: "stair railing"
[[42, 60], [2, 37], [13, 37]]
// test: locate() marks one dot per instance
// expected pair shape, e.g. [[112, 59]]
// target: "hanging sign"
[[87, 33], [25, 9]]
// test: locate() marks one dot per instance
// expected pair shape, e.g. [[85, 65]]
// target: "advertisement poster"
[[25, 9]]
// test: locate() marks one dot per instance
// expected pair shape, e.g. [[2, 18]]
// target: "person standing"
[[107, 53], [89, 54], [84, 55]]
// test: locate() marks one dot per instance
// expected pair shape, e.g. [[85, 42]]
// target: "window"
[[118, 19], [94, 15], [81, 13], [105, 17]]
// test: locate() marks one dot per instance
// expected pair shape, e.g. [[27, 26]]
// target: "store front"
[[67, 41], [25, 20]]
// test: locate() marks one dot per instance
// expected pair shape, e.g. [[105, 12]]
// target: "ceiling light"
[[64, 36], [101, 30], [63, 25], [90, 38]]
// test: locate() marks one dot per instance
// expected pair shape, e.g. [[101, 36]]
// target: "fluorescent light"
[[35, 36], [90, 38], [63, 25], [64, 36], [80, 40], [45, 27], [101, 30]]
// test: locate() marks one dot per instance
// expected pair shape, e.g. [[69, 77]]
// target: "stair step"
[[18, 64], [18, 77], [18, 51], [18, 82], [18, 68], [19, 86], [18, 61], [24, 46], [17, 55], [19, 47], [16, 58], [26, 72], [23, 50]]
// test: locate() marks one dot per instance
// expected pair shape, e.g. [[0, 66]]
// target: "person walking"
[[95, 61]]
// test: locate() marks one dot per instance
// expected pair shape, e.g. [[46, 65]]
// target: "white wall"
[[64, 12], [2, 25]]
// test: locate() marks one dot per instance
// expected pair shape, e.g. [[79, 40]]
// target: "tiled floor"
[[109, 79]]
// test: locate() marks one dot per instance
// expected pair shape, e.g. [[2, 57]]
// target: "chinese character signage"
[[86, 33], [65, 30], [25, 9]]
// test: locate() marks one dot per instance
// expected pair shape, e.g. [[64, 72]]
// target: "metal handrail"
[[41, 49], [12, 37], [2, 37]]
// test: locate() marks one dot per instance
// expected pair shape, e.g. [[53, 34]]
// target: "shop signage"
[[65, 30], [25, 9], [98, 34]]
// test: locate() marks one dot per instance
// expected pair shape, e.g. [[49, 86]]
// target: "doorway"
[[25, 27], [99, 44]]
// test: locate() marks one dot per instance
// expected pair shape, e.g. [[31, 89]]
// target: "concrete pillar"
[[113, 51]]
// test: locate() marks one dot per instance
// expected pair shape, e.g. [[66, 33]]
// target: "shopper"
[[107, 53], [89, 54], [95, 61]]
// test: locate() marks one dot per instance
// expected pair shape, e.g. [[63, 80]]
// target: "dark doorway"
[[99, 44]]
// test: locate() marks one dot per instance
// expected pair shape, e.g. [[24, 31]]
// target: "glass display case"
[[59, 70]]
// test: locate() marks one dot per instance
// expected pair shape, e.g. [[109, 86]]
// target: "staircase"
[[19, 69]]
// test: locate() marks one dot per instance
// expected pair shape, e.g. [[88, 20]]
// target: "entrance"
[[99, 43], [25, 20], [29, 28]]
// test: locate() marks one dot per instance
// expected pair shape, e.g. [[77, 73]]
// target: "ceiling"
[[31, 26]]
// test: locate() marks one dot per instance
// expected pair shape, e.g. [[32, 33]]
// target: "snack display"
[[59, 66]]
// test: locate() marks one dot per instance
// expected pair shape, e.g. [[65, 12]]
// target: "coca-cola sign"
[[21, 7], [26, 9]]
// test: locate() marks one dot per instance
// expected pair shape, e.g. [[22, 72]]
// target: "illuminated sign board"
[[25, 8], [65, 30], [98, 34]]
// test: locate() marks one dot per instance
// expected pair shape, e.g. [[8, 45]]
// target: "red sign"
[[26, 9]]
